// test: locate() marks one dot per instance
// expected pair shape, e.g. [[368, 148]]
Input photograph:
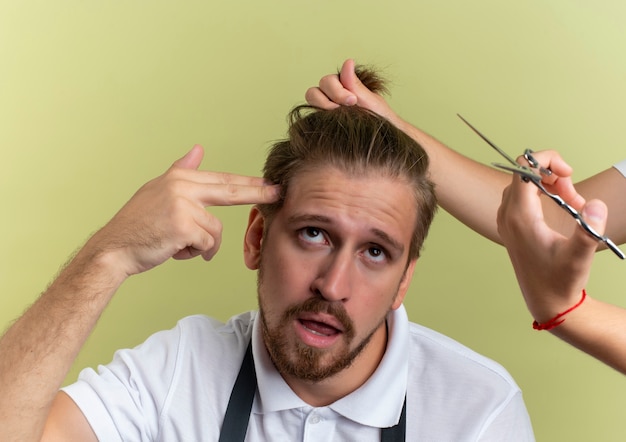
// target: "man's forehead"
[[384, 205], [326, 172], [371, 183]]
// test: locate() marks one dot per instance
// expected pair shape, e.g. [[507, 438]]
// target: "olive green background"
[[98, 97]]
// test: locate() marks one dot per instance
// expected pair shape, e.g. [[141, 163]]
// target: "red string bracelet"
[[550, 324]]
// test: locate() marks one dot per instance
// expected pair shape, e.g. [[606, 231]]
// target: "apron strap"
[[237, 415], [235, 423], [397, 433]]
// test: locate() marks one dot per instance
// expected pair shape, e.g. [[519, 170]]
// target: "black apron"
[[235, 423]]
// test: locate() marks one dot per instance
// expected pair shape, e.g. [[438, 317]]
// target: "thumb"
[[192, 159], [595, 214], [350, 80]]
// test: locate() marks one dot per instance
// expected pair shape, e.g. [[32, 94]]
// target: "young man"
[[330, 355]]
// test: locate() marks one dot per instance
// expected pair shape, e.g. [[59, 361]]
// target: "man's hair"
[[357, 142]]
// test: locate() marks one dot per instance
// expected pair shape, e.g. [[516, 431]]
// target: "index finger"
[[560, 181], [316, 97], [242, 190], [232, 178], [334, 87]]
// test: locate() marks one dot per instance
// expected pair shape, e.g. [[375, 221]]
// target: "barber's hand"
[[346, 89], [167, 216], [552, 270], [560, 181]]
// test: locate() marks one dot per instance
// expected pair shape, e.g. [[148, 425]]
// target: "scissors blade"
[[500, 151]]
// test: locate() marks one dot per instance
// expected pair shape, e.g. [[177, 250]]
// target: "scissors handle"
[[536, 180]]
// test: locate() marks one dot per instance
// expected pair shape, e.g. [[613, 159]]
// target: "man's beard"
[[305, 362]]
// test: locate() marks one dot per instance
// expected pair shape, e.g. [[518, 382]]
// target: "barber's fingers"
[[552, 160], [364, 96], [346, 89], [342, 89], [316, 97], [335, 90], [560, 180]]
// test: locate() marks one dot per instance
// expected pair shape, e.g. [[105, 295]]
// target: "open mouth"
[[319, 328]]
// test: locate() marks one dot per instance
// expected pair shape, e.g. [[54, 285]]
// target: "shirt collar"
[[386, 386]]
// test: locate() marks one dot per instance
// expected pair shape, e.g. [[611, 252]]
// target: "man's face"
[[332, 264]]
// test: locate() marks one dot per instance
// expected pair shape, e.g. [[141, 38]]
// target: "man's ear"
[[404, 284], [253, 239]]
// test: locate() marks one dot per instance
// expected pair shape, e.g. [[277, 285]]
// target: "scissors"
[[529, 174]]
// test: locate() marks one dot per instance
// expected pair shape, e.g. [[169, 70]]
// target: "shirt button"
[[315, 419]]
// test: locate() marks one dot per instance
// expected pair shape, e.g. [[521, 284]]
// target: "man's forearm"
[[38, 350]]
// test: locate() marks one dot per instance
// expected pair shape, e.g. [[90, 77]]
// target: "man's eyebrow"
[[308, 218], [385, 237]]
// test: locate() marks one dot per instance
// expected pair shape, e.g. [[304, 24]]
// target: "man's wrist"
[[97, 266]]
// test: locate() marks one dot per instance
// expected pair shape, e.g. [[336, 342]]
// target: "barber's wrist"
[[549, 317]]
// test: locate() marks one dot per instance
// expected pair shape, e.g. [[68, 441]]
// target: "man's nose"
[[335, 277]]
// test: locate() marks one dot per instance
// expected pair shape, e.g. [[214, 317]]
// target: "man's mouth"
[[319, 328]]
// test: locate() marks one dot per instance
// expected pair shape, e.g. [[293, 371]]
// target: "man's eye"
[[312, 235], [376, 254]]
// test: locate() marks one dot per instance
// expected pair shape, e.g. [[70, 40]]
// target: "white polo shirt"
[[621, 166], [176, 386]]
